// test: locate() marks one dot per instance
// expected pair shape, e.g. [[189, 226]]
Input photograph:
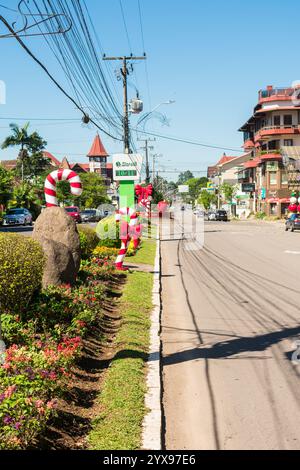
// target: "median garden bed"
[[70, 351]]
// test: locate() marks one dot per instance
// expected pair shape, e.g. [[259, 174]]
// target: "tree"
[[94, 191], [206, 199], [31, 161], [6, 186], [184, 177], [24, 195], [195, 186], [228, 191]]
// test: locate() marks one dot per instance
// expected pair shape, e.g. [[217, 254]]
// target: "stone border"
[[152, 425]]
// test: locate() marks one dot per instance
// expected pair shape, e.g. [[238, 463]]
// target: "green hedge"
[[88, 241], [21, 271]]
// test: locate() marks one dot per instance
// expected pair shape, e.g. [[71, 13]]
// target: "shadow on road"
[[230, 348]]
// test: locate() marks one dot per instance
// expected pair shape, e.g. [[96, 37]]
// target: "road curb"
[[152, 425]]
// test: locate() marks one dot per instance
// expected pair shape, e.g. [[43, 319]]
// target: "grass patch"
[[119, 426], [146, 254]]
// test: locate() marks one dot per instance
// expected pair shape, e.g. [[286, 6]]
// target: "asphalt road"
[[27, 231], [229, 323]]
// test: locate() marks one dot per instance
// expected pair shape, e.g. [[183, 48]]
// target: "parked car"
[[182, 208], [17, 217], [90, 215], [292, 223], [210, 216], [221, 216], [74, 212]]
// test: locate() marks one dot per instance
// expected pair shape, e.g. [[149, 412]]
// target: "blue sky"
[[210, 57]]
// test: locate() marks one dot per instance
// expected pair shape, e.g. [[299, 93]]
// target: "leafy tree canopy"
[[184, 177], [206, 199], [31, 161], [6, 185], [228, 191], [94, 192]]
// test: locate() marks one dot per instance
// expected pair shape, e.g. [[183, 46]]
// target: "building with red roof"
[[272, 134]]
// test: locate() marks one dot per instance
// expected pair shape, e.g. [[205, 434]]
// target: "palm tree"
[[20, 137]]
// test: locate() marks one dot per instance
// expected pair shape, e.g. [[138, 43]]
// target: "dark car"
[[17, 217], [293, 223], [90, 215], [74, 212], [221, 216]]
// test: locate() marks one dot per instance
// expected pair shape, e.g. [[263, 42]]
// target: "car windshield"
[[89, 212], [16, 212], [222, 212], [71, 209]]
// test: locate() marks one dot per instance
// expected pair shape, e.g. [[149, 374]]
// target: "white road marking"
[[292, 252]]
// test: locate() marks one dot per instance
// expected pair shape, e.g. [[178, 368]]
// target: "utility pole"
[[158, 155], [125, 73], [147, 148]]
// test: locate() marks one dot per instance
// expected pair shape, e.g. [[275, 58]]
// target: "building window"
[[288, 120], [284, 177], [273, 178], [274, 145], [288, 142], [276, 120]]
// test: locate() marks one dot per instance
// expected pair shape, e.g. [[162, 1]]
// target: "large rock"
[[58, 234], [60, 267]]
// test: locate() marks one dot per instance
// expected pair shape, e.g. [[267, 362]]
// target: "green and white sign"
[[127, 167]]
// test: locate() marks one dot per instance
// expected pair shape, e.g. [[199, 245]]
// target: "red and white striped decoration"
[[61, 175], [147, 204], [127, 232]]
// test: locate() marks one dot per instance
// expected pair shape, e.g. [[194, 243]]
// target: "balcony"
[[265, 132], [276, 94]]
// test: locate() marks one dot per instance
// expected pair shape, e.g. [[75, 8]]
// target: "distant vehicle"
[[182, 208], [293, 223], [74, 212], [210, 216], [221, 216], [17, 217], [90, 215]]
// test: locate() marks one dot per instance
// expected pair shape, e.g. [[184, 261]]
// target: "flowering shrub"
[[21, 270], [43, 344], [103, 252], [28, 380]]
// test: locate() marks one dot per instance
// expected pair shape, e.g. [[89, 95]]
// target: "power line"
[[186, 141], [75, 52], [125, 25], [23, 45]]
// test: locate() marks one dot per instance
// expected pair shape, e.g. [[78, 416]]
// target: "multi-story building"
[[272, 135], [227, 171]]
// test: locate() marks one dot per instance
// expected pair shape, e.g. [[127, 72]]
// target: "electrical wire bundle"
[[76, 54]]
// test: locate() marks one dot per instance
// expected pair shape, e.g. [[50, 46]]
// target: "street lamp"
[[143, 118]]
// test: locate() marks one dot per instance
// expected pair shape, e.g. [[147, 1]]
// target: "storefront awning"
[[273, 200]]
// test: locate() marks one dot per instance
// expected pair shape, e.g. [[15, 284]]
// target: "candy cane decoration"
[[144, 194], [147, 204], [61, 175], [127, 232]]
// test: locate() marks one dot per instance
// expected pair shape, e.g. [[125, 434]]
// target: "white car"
[[17, 217]]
